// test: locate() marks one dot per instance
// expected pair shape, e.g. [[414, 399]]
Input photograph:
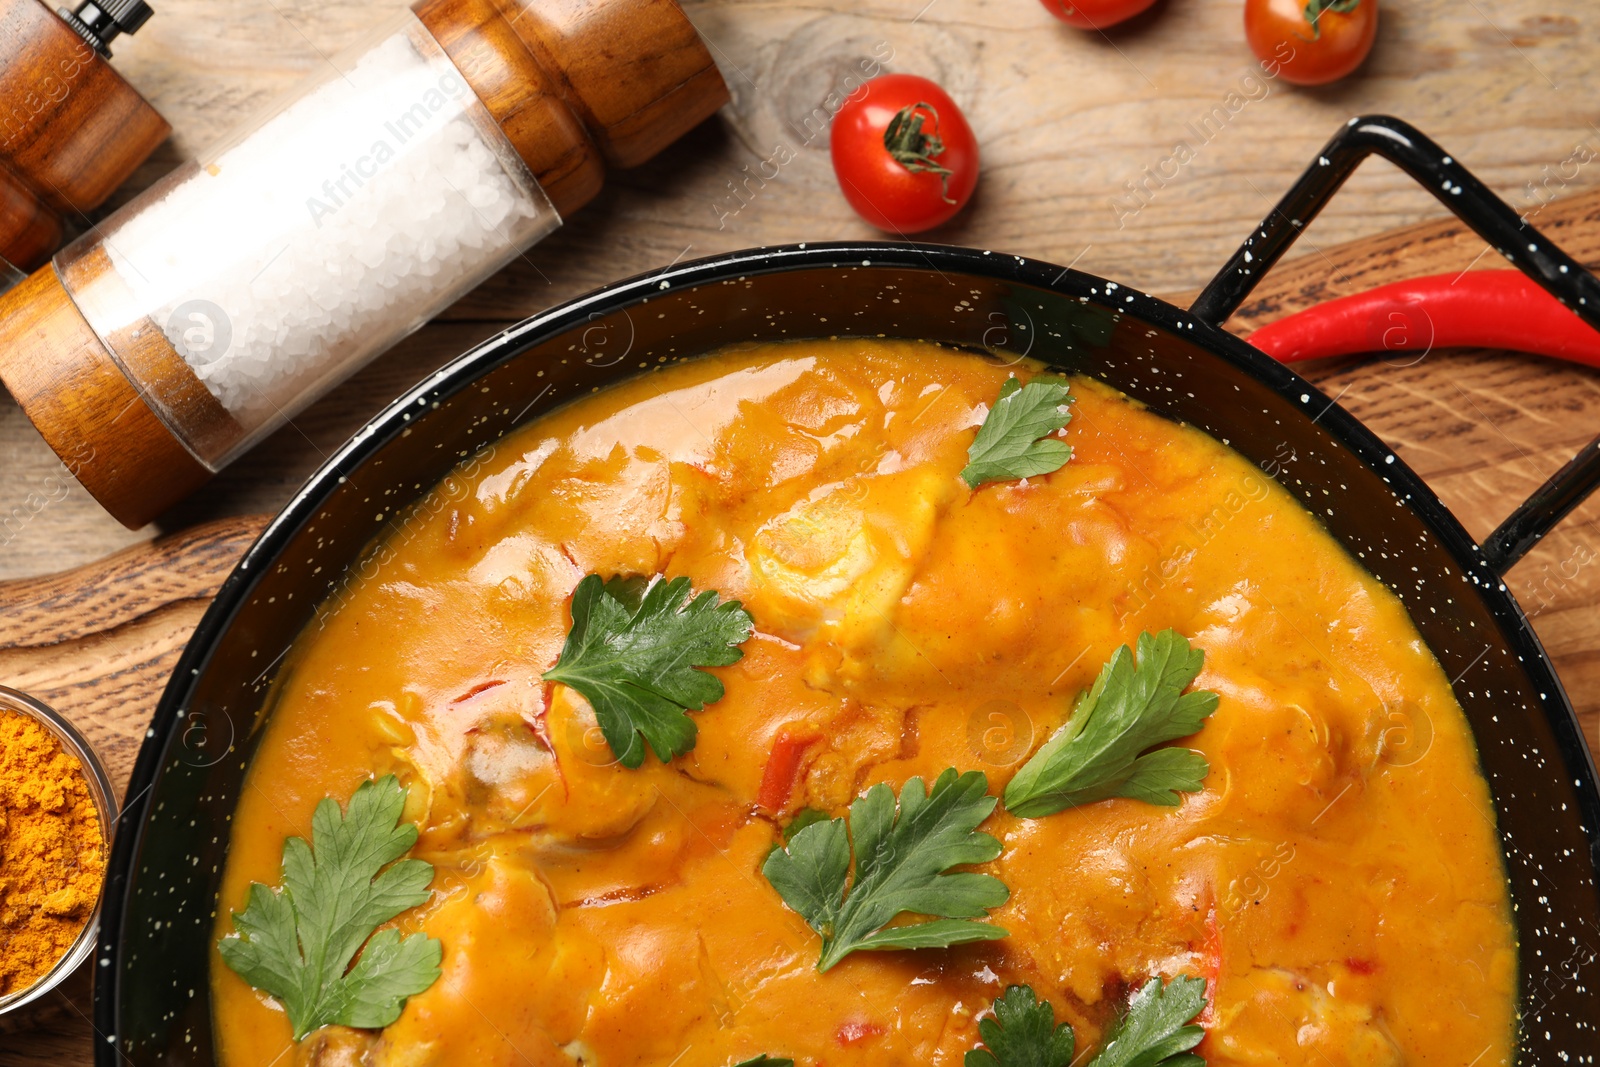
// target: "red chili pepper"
[[1478, 309], [783, 766]]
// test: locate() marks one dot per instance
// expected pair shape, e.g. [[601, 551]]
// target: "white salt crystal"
[[341, 224]]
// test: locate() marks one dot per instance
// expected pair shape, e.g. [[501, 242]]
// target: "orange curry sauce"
[[1337, 879]]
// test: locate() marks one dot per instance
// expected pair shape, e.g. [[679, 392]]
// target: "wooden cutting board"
[[98, 642]]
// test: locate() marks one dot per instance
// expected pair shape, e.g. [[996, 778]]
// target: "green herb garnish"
[[900, 860], [297, 942], [1129, 709], [1023, 1033], [764, 1060], [1016, 439], [803, 818], [633, 651], [1154, 1031]]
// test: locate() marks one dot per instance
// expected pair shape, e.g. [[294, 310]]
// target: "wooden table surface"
[[1067, 122]]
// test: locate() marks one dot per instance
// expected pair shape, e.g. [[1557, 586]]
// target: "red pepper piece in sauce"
[[1211, 962], [783, 765], [1478, 309], [855, 1032], [481, 687]]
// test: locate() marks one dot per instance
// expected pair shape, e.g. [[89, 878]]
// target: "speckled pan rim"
[[105, 804], [465, 370]]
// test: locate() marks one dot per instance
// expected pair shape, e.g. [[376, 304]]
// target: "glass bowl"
[[105, 804]]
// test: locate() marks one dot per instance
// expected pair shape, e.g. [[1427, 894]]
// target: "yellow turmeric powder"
[[52, 856]]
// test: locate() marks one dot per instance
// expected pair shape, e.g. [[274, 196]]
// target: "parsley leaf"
[[764, 1060], [803, 818], [900, 860], [1129, 709], [1016, 439], [297, 942], [1155, 1030], [632, 652], [1023, 1033]]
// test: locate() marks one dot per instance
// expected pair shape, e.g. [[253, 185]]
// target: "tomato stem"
[[914, 149], [1314, 9]]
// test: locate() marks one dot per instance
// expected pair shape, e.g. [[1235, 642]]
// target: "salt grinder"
[[207, 311], [71, 130]]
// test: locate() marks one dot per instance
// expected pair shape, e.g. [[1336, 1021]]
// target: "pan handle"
[[1492, 219]]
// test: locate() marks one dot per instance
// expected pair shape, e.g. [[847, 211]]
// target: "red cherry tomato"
[[904, 155], [1310, 42], [1095, 14]]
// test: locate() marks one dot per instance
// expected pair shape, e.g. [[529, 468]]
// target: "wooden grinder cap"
[[580, 84], [71, 129]]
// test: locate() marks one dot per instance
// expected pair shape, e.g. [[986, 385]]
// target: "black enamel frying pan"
[[151, 994]]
